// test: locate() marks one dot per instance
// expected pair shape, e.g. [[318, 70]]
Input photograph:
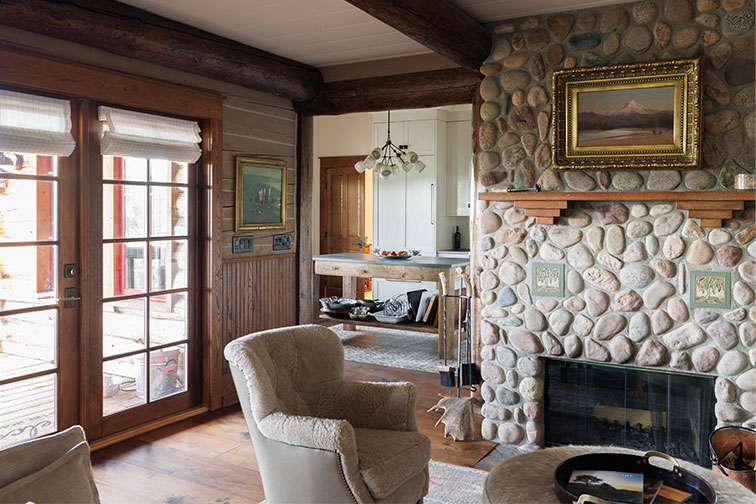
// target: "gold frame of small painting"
[[260, 194], [644, 115]]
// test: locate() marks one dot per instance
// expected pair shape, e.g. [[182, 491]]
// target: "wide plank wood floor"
[[209, 459]]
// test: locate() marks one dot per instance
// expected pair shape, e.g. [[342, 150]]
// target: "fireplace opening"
[[599, 404]]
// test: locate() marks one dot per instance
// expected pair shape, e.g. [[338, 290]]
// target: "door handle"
[[359, 243], [432, 205], [69, 296]]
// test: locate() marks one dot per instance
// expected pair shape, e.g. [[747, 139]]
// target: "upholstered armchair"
[[318, 438]]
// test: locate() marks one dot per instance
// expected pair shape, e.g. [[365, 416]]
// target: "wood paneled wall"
[[258, 294], [253, 129]]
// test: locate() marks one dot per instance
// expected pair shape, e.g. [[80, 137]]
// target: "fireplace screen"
[[594, 404]]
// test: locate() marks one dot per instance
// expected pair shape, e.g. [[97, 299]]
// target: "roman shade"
[[35, 124], [136, 134]]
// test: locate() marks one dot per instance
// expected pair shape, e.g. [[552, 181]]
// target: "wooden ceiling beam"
[[128, 31], [434, 88], [437, 24]]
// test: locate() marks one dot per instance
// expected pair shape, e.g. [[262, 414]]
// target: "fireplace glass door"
[[592, 404]]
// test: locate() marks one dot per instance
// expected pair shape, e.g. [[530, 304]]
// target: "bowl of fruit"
[[395, 254]]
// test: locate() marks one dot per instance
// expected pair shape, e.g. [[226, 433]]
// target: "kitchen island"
[[351, 266]]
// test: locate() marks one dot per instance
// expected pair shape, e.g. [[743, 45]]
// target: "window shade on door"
[[34, 124], [136, 134]]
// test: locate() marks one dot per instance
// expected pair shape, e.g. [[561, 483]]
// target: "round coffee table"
[[529, 478]]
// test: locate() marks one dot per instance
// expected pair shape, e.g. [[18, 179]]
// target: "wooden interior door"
[[342, 215]]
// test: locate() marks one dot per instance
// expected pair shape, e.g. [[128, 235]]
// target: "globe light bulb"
[[412, 157], [385, 172], [419, 166], [376, 153], [369, 162], [360, 166], [406, 167]]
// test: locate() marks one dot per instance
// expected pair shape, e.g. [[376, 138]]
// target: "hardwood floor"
[[209, 459]]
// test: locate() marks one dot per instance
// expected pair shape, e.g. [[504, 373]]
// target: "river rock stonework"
[[626, 299], [613, 310], [652, 30]]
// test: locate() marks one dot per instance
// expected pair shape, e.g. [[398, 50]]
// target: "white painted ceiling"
[[328, 32]]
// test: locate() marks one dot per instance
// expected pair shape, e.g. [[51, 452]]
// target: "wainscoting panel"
[[258, 293]]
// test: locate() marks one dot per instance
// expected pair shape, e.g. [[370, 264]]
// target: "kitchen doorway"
[[342, 216]]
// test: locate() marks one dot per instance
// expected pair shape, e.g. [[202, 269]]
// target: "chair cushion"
[[389, 458]]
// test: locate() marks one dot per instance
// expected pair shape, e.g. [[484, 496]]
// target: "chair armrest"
[[377, 405], [310, 432]]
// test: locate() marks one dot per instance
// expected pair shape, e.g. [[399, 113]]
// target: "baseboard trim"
[[147, 427]]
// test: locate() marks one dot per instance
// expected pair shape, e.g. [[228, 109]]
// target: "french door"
[[99, 289], [148, 299], [38, 269]]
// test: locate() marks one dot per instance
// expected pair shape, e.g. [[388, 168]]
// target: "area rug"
[[390, 347], [453, 484]]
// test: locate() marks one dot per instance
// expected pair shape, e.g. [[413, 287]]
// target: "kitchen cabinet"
[[459, 164], [410, 210]]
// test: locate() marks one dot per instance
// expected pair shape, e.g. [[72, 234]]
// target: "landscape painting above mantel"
[[624, 117], [643, 115]]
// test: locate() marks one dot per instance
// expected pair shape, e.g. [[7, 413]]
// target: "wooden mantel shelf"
[[709, 206]]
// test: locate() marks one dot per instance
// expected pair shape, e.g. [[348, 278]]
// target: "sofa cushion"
[[68, 479], [387, 459], [30, 456]]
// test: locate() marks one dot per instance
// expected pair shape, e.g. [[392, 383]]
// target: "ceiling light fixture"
[[382, 159]]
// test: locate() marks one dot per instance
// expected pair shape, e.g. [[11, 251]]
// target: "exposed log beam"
[[437, 24], [416, 90], [127, 31]]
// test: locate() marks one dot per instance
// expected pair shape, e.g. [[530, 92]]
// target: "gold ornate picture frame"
[[644, 115], [260, 193]]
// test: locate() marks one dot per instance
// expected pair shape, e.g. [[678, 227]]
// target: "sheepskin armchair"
[[318, 438]]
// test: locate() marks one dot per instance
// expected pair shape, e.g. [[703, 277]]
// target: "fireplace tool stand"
[[458, 417]]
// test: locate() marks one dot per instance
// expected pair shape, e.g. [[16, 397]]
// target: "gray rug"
[[453, 484], [390, 347]]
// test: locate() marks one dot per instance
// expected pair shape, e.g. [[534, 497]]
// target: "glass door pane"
[[147, 301], [31, 315]]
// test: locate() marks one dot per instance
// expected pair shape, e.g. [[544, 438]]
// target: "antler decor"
[[458, 418]]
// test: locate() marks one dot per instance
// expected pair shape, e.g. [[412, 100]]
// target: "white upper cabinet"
[[420, 137]]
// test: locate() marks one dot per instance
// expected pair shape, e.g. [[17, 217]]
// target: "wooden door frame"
[[28, 71]]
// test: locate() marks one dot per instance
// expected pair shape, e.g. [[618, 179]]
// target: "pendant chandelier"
[[386, 160]]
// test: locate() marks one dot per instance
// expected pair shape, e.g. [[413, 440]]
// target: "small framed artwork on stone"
[[710, 289], [548, 280]]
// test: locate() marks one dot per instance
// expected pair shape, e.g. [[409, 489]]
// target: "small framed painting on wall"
[[260, 194], [710, 289], [548, 280]]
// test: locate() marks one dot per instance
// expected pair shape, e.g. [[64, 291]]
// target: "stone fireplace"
[[627, 265], [625, 302]]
